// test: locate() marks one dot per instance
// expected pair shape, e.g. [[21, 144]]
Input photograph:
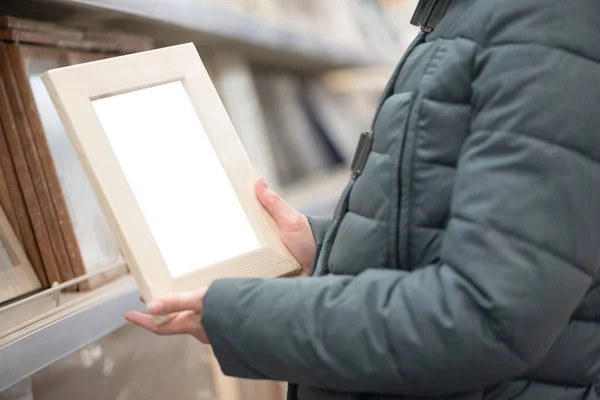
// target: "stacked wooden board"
[[43, 191]]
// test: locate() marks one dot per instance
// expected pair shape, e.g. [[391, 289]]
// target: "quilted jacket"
[[462, 260]]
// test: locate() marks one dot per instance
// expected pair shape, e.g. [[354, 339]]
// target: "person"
[[462, 259]]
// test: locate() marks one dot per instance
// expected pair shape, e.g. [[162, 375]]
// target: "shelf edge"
[[44, 345]]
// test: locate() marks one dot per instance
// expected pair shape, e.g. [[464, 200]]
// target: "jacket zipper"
[[400, 248], [365, 142], [366, 139]]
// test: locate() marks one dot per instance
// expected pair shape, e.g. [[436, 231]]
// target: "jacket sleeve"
[[319, 227], [517, 257]]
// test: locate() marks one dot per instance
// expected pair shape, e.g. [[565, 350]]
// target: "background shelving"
[[300, 80], [293, 41], [253, 29]]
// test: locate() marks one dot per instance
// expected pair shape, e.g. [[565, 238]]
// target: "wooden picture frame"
[[171, 226], [17, 277]]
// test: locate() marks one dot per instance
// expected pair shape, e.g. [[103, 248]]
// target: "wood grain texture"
[[265, 262], [25, 228], [6, 201], [33, 183], [28, 56], [74, 58], [29, 25], [50, 41], [49, 37], [46, 33], [42, 149]]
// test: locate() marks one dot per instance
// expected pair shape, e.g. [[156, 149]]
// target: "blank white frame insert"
[[176, 177]]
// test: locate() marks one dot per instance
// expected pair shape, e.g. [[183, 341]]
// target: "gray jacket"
[[462, 263]]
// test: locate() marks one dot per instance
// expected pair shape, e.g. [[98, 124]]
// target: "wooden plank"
[[44, 33], [40, 142], [12, 35], [8, 21], [29, 25], [50, 39], [90, 242], [7, 204], [22, 220], [33, 31], [49, 236]]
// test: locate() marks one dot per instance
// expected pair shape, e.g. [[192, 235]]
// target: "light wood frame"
[[74, 88]]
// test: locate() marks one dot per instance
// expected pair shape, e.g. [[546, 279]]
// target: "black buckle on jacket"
[[363, 148], [429, 13]]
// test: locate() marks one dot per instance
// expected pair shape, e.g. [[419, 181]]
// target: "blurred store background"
[[300, 80]]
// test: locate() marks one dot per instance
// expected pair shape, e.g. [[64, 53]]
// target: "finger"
[[143, 320], [177, 302], [142, 300], [271, 201], [174, 325]]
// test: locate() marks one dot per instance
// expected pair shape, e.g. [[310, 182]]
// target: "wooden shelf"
[[204, 23], [47, 333]]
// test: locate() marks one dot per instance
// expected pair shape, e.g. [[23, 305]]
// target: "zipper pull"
[[422, 12], [363, 148], [429, 13]]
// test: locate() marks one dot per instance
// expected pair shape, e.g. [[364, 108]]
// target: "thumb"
[[176, 302], [271, 201]]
